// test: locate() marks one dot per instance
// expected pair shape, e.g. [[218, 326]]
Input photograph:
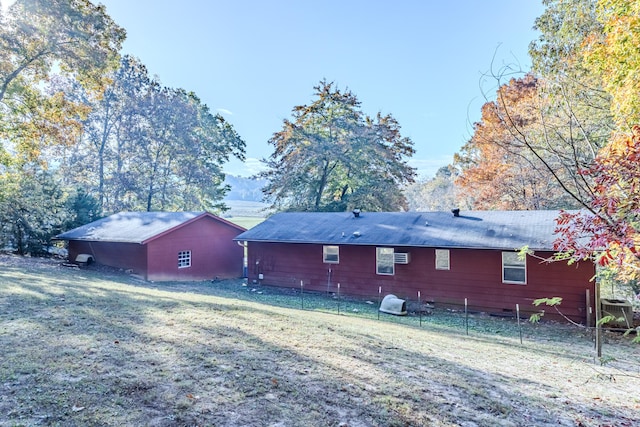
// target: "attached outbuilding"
[[161, 246], [446, 256]]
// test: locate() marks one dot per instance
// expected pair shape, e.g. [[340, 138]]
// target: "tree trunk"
[[322, 185]]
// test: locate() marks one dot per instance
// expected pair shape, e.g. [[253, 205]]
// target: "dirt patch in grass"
[[98, 347]]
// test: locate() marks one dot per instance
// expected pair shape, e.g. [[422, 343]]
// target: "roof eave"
[[397, 245]]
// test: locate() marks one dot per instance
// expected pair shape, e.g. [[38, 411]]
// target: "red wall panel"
[[213, 252], [474, 274]]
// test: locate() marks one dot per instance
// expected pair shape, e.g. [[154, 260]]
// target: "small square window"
[[331, 254], [442, 259], [184, 259], [514, 269], [384, 261]]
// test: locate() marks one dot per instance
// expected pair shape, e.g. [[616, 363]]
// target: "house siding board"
[[213, 252], [474, 274], [128, 256]]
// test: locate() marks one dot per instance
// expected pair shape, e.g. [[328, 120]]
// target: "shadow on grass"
[[82, 350]]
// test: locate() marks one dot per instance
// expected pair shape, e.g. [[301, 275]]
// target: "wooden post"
[[379, 300], [596, 297], [519, 326], [302, 294], [420, 307], [338, 297], [589, 311], [466, 315]]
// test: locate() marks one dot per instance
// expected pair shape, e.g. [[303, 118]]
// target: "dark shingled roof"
[[473, 229], [132, 227]]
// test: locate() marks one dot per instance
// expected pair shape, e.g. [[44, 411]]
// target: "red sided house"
[[161, 245], [446, 256]]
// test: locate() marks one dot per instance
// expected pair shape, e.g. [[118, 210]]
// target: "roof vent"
[[455, 212], [356, 213]]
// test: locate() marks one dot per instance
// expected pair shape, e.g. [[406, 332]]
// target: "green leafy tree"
[[98, 155], [180, 148], [564, 26], [150, 147], [82, 209], [332, 157], [612, 55], [32, 211]]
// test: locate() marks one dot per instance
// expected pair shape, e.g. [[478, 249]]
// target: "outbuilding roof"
[[472, 229], [135, 227]]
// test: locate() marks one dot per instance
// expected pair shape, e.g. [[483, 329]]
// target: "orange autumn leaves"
[[500, 169]]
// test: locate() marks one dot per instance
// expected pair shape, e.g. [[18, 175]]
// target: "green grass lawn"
[[245, 221], [95, 347]]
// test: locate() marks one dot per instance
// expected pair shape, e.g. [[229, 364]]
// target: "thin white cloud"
[[427, 168], [249, 167], [224, 111]]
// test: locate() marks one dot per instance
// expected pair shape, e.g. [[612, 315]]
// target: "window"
[[384, 261], [184, 259], [442, 259], [331, 254], [514, 269]]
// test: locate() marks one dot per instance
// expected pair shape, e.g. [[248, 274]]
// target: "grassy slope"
[[83, 347], [246, 214], [245, 221]]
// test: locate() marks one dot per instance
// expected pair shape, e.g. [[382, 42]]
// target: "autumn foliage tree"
[[540, 130], [609, 232], [85, 132], [574, 130], [39, 39], [580, 133], [509, 163]]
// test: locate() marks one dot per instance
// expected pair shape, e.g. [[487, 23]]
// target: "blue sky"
[[253, 61]]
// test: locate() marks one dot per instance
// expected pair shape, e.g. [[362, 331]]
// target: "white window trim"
[[441, 256], [327, 250], [389, 261], [521, 264], [184, 259]]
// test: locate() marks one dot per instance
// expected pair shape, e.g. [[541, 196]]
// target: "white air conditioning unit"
[[401, 258], [622, 310]]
